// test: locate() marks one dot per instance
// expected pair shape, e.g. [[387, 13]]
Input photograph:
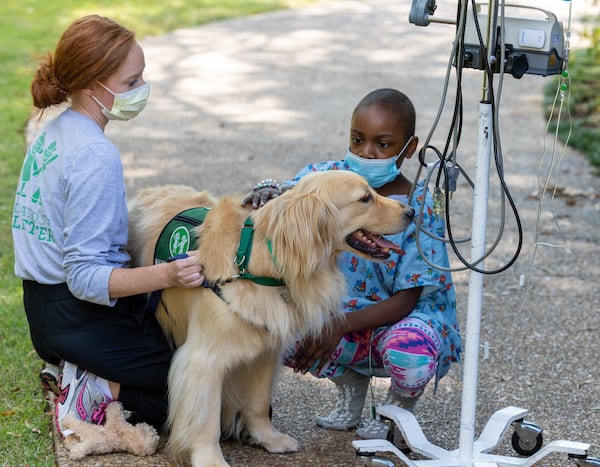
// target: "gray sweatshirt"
[[70, 215]]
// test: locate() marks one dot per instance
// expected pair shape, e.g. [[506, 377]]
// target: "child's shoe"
[[80, 396], [352, 390], [375, 428]]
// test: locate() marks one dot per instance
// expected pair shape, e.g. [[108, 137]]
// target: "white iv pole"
[[471, 452]]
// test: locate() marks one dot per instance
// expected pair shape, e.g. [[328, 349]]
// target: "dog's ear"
[[304, 230]]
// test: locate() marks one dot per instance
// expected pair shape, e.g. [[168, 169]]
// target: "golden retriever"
[[229, 341]]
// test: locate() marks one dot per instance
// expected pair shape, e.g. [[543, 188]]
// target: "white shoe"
[[352, 389], [377, 429], [80, 396], [373, 428], [407, 403]]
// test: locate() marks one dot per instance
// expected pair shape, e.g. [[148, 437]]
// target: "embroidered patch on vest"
[[178, 236]]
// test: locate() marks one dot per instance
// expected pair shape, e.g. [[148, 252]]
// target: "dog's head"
[[330, 211], [363, 215]]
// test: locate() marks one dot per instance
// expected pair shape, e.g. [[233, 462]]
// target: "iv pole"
[[471, 452]]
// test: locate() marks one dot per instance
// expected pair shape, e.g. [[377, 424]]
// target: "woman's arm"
[[184, 273]]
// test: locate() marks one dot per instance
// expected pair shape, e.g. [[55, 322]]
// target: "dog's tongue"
[[383, 243]]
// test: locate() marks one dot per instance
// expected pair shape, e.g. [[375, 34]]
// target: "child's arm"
[[383, 313]]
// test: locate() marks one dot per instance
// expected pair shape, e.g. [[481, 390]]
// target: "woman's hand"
[[186, 272]]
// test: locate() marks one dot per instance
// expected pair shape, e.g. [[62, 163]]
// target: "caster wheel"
[[527, 439], [588, 462], [375, 461]]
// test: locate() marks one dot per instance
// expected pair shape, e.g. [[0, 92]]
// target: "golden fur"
[[229, 348]]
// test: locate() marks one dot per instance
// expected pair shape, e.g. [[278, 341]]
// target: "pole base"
[[489, 439]]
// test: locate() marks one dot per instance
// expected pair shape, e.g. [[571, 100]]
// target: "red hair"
[[91, 49]]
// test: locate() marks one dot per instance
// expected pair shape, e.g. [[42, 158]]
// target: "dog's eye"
[[367, 198]]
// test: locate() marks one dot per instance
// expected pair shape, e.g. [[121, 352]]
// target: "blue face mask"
[[378, 172]]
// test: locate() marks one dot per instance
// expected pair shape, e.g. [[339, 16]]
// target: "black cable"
[[497, 158]]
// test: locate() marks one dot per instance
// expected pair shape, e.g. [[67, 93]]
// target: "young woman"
[[85, 306]]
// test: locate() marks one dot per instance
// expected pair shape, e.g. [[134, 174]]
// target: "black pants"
[[123, 344]]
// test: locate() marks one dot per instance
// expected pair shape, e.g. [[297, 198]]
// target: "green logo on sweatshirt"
[[29, 195]]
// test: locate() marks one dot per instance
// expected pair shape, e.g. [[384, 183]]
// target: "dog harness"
[[179, 236]]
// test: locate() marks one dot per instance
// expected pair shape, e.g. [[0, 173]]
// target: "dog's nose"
[[410, 213]]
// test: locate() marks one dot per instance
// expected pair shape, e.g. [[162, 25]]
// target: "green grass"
[[29, 28], [582, 98]]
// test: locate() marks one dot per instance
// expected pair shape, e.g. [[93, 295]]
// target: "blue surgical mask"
[[377, 172]]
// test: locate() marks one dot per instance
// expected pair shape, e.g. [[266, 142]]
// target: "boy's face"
[[376, 133]]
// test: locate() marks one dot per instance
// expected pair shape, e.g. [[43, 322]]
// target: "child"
[[400, 314]]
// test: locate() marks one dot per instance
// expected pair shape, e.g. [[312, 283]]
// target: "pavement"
[[237, 101]]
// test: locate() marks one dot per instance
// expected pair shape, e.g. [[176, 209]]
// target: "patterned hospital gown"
[[433, 319]]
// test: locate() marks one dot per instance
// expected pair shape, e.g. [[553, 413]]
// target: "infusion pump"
[[533, 38], [532, 45]]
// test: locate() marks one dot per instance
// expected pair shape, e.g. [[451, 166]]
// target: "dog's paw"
[[208, 456], [278, 443]]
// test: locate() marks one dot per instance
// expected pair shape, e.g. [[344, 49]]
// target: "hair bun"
[[46, 90]]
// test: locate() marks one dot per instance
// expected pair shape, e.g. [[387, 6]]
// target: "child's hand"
[[315, 351], [259, 197]]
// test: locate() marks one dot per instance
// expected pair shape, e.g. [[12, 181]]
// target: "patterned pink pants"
[[407, 352]]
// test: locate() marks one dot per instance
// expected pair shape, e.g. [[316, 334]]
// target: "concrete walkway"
[[238, 101]]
